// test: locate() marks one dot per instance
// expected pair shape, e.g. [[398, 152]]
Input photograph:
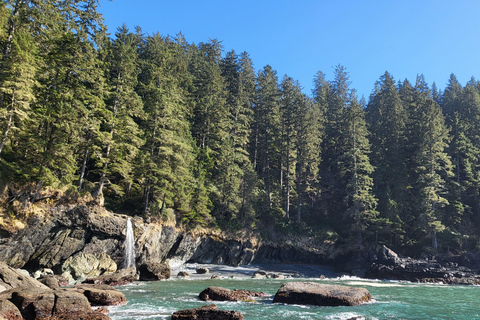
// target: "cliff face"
[[47, 242]]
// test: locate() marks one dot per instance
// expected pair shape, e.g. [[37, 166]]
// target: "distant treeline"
[[158, 126]]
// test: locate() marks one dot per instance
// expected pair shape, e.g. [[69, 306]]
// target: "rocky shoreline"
[[380, 262], [80, 241]]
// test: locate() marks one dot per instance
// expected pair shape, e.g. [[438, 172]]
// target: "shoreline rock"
[[87, 231], [118, 278], [318, 294], [27, 298], [380, 262], [69, 231], [224, 294], [209, 312]]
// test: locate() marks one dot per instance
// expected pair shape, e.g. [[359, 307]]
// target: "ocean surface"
[[392, 299]]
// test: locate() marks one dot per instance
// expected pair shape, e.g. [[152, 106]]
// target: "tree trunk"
[[82, 171], [7, 129], [299, 207]]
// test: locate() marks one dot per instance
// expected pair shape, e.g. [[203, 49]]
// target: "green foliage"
[[195, 136]]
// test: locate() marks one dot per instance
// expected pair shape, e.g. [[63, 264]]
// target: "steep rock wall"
[[47, 242]]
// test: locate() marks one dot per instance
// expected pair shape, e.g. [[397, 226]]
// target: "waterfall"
[[129, 246]]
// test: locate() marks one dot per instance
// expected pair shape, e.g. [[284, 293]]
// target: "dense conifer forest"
[[193, 135]]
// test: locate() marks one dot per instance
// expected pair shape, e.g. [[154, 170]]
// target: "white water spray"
[[129, 246]]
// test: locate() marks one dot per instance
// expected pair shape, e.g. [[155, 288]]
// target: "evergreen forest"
[[195, 136]]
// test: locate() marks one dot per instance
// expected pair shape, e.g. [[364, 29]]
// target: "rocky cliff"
[[85, 233]]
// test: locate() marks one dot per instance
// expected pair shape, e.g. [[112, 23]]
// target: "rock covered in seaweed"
[[209, 312]]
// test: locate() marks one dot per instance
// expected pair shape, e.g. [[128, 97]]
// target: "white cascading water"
[[129, 246]]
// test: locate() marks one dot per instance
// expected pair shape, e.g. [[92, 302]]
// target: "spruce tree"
[[166, 163], [121, 137], [266, 136], [310, 132], [430, 166], [356, 172], [387, 120]]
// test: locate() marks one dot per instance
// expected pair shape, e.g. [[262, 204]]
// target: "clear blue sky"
[[299, 38]]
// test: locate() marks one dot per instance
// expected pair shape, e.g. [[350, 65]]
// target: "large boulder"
[[25, 303], [224, 294], [9, 311], [67, 300], [152, 271], [102, 294], [51, 282], [121, 277], [11, 278], [207, 313], [34, 303], [84, 265], [202, 270], [311, 293]]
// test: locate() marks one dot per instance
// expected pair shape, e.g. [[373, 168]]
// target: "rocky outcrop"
[[121, 277], [224, 294], [48, 241], [153, 271], [93, 238], [50, 281], [207, 313], [11, 278], [101, 294], [380, 262], [311, 293], [417, 270], [27, 298], [45, 303], [183, 274], [83, 265], [9, 311], [201, 270]]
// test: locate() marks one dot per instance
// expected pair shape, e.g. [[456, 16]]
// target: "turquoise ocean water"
[[392, 299]]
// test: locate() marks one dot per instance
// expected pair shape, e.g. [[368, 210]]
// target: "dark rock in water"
[[380, 262], [183, 274], [11, 278], [102, 294], [152, 271], [224, 294], [201, 270], [121, 277], [311, 293], [259, 275], [210, 312], [441, 270], [9, 311], [80, 315]]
